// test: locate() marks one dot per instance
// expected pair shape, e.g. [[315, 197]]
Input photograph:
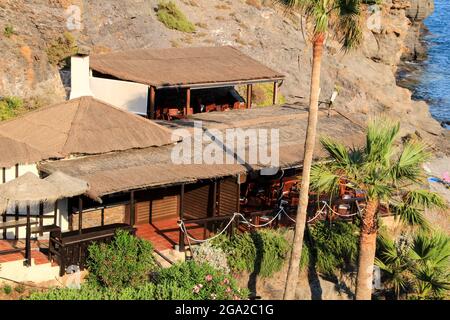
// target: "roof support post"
[[16, 233], [151, 102], [80, 214], [249, 95], [132, 208], [28, 238], [4, 213], [275, 92], [181, 234], [187, 109], [55, 212]]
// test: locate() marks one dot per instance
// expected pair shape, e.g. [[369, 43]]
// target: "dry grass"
[[254, 3], [220, 18], [222, 7], [192, 3], [202, 25]]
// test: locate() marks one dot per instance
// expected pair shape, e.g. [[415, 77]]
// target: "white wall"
[[79, 78], [62, 213], [130, 96]]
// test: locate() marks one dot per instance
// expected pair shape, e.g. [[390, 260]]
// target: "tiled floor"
[[165, 234], [39, 257]]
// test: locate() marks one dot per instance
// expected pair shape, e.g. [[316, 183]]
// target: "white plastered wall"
[[62, 213]]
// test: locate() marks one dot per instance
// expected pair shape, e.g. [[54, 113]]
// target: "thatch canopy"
[[14, 152], [152, 167], [77, 127], [183, 67], [29, 189]]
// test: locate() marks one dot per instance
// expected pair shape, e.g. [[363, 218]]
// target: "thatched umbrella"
[[29, 189]]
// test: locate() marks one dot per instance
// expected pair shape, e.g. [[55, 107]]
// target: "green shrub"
[[62, 48], [196, 281], [20, 288], [262, 252], [335, 247], [183, 281], [7, 289], [169, 14], [10, 107], [8, 31], [125, 262]]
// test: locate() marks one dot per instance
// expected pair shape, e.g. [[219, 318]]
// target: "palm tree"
[[419, 266], [343, 17], [388, 175]]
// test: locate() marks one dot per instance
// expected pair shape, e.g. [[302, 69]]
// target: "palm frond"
[[324, 179], [431, 250], [424, 199], [409, 163], [380, 137], [409, 215], [348, 26]]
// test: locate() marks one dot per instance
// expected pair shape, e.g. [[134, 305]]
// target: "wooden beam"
[[275, 92], [28, 238], [80, 214], [151, 102], [132, 209], [41, 217], [181, 234], [249, 95]]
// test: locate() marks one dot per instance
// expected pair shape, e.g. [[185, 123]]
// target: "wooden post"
[[188, 109], [55, 212], [275, 92], [80, 214], [103, 216], [181, 235], [249, 95], [41, 218], [16, 234], [132, 209], [151, 102], [28, 238], [4, 213]]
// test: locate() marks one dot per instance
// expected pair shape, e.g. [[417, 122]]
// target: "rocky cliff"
[[365, 78]]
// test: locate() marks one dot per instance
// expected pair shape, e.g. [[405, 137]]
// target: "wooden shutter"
[[196, 201], [165, 208], [156, 205], [228, 196]]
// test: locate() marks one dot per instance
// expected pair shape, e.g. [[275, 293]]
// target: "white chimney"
[[80, 77]]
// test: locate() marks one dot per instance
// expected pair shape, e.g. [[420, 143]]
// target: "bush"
[[125, 262], [169, 14], [335, 247], [7, 289], [196, 281], [183, 281], [20, 288], [215, 257], [8, 31], [262, 252], [10, 107], [62, 48]]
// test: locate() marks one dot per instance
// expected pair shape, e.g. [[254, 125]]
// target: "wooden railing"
[[71, 248]]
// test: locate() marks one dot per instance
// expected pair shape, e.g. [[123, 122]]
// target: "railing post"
[[181, 246], [28, 239]]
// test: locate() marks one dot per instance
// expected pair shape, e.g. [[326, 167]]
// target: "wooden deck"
[[36, 254], [165, 234]]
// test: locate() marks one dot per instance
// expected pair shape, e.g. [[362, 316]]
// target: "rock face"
[[365, 78]]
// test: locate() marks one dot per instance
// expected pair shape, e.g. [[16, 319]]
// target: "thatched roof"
[[29, 189], [189, 67], [152, 167], [80, 126], [13, 152]]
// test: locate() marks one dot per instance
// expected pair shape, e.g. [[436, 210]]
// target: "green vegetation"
[[169, 14], [333, 247], [262, 93], [20, 288], [7, 289], [125, 262], [215, 257], [61, 49], [8, 31], [417, 266], [10, 107], [125, 269], [263, 252]]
